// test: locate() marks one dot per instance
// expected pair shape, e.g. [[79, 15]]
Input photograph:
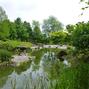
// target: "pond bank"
[[17, 60]]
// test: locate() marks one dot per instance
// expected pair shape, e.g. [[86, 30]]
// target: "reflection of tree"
[[51, 65], [44, 76]]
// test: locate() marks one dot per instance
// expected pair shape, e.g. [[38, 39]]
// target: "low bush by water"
[[5, 55]]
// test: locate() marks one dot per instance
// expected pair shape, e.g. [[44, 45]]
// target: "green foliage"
[[58, 37], [70, 28], [3, 15], [12, 32], [4, 55], [11, 44], [51, 25], [4, 72], [80, 36], [23, 67], [21, 31], [28, 28], [35, 24], [37, 35], [74, 77], [4, 29], [38, 53]]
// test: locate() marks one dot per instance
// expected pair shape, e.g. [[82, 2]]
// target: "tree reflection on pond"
[[39, 76]]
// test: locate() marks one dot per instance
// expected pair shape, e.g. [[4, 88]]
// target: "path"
[[49, 46]]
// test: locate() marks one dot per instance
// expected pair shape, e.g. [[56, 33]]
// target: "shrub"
[[80, 36], [10, 44], [4, 55], [74, 77]]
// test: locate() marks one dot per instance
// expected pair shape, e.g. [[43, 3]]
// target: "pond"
[[43, 74]]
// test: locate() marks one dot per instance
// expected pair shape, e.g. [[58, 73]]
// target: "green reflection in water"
[[37, 76]]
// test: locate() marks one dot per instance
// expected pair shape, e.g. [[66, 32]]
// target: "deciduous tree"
[[51, 25]]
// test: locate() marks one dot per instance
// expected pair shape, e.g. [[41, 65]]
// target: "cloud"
[[67, 11]]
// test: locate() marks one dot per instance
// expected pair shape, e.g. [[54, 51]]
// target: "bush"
[[80, 36], [4, 55], [10, 44], [74, 77], [58, 37]]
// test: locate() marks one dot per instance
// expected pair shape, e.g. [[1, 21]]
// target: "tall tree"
[[35, 24], [51, 25], [4, 29], [36, 31], [18, 28], [12, 32], [21, 30], [29, 30], [3, 15]]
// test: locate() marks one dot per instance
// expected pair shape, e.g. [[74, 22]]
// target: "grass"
[[74, 77]]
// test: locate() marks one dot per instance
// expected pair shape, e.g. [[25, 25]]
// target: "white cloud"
[[67, 11]]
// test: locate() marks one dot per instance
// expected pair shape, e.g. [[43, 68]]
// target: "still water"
[[43, 75]]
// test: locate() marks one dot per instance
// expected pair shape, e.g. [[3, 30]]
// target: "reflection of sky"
[[67, 11], [33, 77], [29, 78]]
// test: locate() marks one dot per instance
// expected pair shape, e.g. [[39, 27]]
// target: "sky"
[[66, 11]]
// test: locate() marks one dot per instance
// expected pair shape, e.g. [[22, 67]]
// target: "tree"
[[18, 28], [35, 24], [21, 30], [4, 25], [70, 28], [29, 30], [58, 37], [37, 35], [12, 32], [3, 15], [44, 39], [80, 36], [4, 29], [51, 25]]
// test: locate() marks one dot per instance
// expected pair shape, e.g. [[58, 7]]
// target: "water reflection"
[[35, 77]]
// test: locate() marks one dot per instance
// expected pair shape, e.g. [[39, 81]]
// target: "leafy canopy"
[[51, 25]]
